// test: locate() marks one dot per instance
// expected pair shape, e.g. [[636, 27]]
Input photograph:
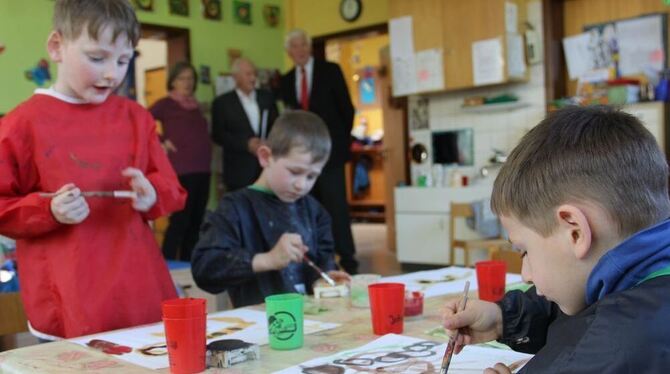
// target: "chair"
[[463, 211], [12, 317], [511, 258]]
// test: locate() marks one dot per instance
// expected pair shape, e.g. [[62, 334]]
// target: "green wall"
[[25, 25]]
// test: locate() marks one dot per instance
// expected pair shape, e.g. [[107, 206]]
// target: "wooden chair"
[[12, 319], [463, 211], [511, 258]]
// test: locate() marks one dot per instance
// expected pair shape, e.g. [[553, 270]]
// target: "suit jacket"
[[232, 130], [329, 99]]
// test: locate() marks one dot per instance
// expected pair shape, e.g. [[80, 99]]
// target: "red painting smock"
[[106, 272]]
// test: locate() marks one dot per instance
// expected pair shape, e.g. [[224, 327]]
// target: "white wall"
[[153, 54]]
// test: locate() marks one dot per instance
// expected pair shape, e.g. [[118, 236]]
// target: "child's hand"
[[498, 369], [69, 206], [288, 249], [146, 194], [339, 276], [480, 322]]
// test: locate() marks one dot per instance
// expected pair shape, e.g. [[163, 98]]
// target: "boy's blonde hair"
[[71, 16], [585, 154], [299, 129]]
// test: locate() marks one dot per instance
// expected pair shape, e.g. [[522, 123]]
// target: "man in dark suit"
[[319, 87], [241, 120]]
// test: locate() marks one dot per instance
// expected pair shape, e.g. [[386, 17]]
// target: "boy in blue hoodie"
[[584, 199]]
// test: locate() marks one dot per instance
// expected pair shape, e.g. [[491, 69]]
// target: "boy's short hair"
[[592, 154], [299, 129], [70, 17], [177, 69]]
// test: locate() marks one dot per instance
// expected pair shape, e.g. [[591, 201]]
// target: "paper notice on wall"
[[511, 17], [402, 37], [429, 70], [640, 43], [578, 55], [488, 61], [404, 75], [516, 58]]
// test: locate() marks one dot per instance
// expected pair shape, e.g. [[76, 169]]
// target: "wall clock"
[[350, 10]]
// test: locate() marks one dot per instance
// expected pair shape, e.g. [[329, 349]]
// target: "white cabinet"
[[422, 221], [422, 238]]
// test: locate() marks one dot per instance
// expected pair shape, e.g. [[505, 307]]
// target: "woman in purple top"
[[186, 141]]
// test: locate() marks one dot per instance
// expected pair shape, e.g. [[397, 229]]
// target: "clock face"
[[350, 10]]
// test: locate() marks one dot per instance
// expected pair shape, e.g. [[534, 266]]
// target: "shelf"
[[497, 107]]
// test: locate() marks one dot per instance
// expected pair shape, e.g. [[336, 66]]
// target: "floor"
[[372, 251]]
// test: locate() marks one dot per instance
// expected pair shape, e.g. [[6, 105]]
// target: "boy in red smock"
[[87, 264]]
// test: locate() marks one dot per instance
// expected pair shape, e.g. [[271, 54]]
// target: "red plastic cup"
[[184, 308], [185, 322], [387, 304], [491, 280]]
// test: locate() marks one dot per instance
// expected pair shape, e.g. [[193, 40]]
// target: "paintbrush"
[[323, 275], [452, 343], [120, 194]]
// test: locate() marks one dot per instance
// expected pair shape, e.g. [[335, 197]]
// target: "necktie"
[[304, 94]]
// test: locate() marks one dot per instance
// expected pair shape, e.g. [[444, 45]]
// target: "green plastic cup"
[[285, 320]]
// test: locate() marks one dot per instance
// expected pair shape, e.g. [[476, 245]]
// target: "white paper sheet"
[[488, 61], [404, 75], [401, 36], [429, 70], [516, 57], [578, 55], [403, 354], [244, 324], [511, 17], [445, 281], [640, 43]]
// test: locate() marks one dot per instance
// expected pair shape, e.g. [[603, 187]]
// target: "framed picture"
[[211, 9], [179, 7], [242, 12], [271, 15], [146, 5]]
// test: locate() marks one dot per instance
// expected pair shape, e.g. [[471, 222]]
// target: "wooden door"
[[394, 113], [155, 85]]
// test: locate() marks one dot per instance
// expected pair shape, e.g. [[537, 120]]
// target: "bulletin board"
[[631, 45]]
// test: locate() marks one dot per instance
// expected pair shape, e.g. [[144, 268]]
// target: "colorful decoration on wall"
[[242, 12], [40, 73], [179, 7], [146, 5], [211, 9], [271, 15]]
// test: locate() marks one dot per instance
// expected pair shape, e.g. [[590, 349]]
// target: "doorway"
[[159, 48], [380, 129]]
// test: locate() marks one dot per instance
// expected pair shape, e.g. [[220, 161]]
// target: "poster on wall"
[[179, 7], [146, 5], [211, 9], [271, 15], [242, 12]]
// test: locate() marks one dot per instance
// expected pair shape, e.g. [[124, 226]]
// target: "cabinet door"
[[423, 238], [466, 22]]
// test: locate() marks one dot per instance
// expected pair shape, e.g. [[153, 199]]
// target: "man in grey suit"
[[241, 120]]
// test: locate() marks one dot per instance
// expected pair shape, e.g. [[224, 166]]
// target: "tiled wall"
[[500, 130]]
